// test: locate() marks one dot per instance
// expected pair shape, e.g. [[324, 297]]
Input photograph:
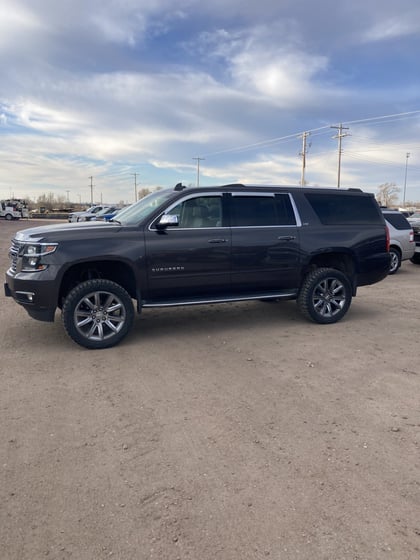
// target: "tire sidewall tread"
[[304, 299], [73, 298]]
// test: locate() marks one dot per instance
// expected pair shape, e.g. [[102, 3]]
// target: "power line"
[[290, 137]]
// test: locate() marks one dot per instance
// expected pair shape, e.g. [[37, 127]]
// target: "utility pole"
[[91, 190], [135, 186], [198, 169], [303, 154], [68, 195], [407, 155], [340, 135]]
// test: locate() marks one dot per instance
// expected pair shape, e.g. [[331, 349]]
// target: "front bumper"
[[37, 295]]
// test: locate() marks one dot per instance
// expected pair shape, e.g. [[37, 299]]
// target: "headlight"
[[32, 256]]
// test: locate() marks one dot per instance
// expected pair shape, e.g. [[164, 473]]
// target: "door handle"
[[217, 240], [286, 237]]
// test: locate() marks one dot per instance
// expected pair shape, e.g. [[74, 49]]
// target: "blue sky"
[[109, 88]]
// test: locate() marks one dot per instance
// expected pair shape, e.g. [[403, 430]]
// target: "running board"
[[219, 299]]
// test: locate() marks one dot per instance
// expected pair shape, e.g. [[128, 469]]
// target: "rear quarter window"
[[398, 221], [346, 209]]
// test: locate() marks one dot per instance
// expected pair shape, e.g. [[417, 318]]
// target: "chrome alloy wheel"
[[329, 297], [99, 315]]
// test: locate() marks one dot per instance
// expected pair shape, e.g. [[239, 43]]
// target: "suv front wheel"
[[325, 295], [97, 313]]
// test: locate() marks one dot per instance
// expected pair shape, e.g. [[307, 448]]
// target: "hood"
[[58, 231]]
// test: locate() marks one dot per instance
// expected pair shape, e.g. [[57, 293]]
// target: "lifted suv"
[[201, 245]]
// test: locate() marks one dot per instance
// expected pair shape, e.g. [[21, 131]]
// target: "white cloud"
[[398, 26], [268, 60], [15, 18], [89, 85]]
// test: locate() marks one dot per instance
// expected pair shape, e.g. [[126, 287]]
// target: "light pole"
[[407, 155], [91, 190]]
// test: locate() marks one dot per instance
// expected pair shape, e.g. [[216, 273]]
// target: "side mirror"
[[167, 220]]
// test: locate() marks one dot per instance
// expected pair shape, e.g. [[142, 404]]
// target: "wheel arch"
[[394, 245], [342, 260], [118, 271]]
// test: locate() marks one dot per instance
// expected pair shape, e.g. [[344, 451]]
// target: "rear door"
[[265, 242]]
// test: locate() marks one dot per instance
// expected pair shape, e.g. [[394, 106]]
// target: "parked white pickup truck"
[[12, 210]]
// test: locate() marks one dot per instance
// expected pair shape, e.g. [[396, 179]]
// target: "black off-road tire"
[[97, 313], [325, 296]]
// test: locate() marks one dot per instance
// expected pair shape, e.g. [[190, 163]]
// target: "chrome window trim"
[[231, 193]]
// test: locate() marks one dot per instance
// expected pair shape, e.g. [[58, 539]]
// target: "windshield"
[[142, 209], [415, 216]]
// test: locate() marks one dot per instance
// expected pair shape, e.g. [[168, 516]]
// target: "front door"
[[191, 259]]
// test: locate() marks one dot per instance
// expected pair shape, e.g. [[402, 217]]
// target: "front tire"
[[415, 259], [395, 260], [97, 314], [325, 296]]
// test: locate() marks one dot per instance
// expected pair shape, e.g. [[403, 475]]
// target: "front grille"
[[13, 254]]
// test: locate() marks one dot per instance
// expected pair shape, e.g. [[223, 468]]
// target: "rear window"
[[398, 221], [253, 210], [334, 209]]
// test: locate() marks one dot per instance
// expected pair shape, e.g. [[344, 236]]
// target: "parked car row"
[[107, 213], [86, 214], [94, 213]]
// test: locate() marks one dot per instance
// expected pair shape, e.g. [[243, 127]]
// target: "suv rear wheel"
[[97, 313], [395, 260], [325, 295]]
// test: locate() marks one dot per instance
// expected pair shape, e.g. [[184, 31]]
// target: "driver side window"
[[199, 212]]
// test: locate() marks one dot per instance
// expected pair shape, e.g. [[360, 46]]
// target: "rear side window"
[[262, 211], [333, 209], [397, 220]]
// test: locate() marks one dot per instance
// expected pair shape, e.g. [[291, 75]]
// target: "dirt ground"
[[230, 432]]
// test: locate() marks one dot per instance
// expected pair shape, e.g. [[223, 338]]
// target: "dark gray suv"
[[188, 246]]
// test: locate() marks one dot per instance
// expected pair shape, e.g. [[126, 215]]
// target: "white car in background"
[[79, 216], [401, 246], [414, 219]]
